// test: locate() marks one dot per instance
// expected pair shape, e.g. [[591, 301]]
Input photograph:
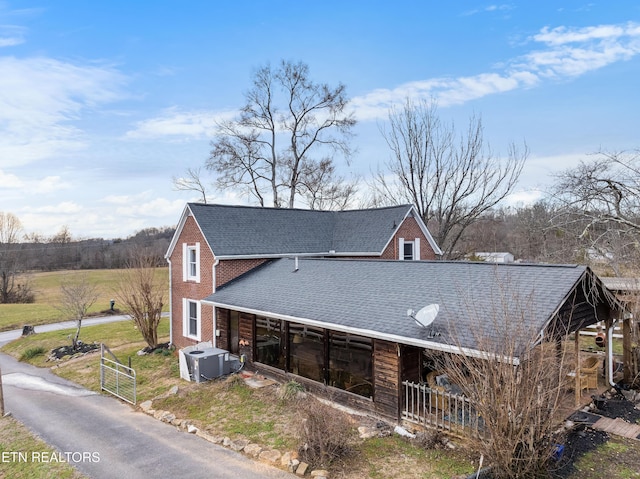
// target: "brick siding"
[[409, 230]]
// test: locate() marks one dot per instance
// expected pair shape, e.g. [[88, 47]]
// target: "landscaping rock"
[[320, 474], [301, 470], [191, 429], [293, 465], [285, 459], [272, 456], [367, 432], [226, 442], [168, 417], [253, 450], [146, 405], [239, 444]]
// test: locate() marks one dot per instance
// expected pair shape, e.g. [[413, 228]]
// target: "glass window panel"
[[350, 363], [408, 250], [270, 342], [193, 318], [307, 351]]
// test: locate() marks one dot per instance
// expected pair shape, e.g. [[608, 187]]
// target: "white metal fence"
[[116, 378], [453, 413]]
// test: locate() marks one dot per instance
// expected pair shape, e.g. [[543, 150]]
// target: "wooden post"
[[1, 397], [577, 367]]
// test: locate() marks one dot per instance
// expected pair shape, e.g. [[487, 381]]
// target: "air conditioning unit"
[[208, 363]]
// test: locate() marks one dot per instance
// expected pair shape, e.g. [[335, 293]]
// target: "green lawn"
[[47, 291]]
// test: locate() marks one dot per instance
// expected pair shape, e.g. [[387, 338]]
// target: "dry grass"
[[20, 452]]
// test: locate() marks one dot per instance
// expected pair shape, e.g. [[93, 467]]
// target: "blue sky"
[[102, 103]]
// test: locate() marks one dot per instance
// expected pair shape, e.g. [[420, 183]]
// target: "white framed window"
[[192, 319], [409, 250], [191, 260]]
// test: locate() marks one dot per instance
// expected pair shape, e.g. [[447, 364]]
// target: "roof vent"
[[296, 266]]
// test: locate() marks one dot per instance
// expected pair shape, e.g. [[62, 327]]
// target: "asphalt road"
[[105, 438]]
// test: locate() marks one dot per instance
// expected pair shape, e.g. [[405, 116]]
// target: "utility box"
[[209, 363]]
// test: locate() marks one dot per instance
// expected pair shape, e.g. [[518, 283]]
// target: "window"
[[307, 351], [191, 258], [270, 342], [350, 363], [408, 251], [191, 322]]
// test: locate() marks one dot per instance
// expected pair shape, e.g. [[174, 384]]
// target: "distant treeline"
[[96, 253]]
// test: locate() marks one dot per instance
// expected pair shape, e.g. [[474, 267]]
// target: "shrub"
[[32, 353], [290, 390], [325, 434], [430, 439]]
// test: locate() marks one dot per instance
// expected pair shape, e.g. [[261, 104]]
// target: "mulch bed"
[[62, 351]]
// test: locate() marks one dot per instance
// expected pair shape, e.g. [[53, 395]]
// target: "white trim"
[[186, 262], [416, 249], [364, 332], [213, 275], [401, 249], [186, 318]]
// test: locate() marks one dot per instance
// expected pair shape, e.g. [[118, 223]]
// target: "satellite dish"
[[426, 315]]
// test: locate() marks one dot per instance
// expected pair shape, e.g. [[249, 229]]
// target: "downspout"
[[215, 310], [170, 303], [610, 353]]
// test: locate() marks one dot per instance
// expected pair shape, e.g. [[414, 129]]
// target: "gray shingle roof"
[[243, 230], [476, 300]]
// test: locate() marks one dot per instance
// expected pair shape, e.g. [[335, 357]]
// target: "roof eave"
[[421, 343]]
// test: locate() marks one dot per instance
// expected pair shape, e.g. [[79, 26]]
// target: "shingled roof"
[[372, 297], [234, 231]]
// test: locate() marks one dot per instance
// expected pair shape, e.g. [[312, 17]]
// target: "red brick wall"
[[191, 235], [232, 268], [409, 230], [226, 270]]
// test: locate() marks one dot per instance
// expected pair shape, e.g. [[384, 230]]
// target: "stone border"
[[288, 461]]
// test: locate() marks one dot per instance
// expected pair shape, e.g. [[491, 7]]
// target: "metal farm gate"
[[116, 378]]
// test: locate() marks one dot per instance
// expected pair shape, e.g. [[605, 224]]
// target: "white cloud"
[[11, 35], [10, 181], [63, 208], [568, 53], [176, 123], [39, 100]]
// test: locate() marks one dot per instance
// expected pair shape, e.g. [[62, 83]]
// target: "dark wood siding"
[[386, 378], [247, 327]]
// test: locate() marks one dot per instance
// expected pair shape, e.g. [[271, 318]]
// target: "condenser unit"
[[206, 364]]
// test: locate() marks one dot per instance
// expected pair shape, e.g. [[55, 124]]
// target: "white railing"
[[453, 413]]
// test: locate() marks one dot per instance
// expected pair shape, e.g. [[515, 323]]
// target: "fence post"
[[1, 397]]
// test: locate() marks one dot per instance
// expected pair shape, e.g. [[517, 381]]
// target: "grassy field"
[[47, 291]]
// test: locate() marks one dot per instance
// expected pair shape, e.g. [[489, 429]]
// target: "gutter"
[[446, 348]]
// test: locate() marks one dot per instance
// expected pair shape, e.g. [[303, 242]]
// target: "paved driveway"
[[106, 439]]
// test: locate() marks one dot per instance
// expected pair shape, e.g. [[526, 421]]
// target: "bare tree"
[[323, 190], [11, 262], [451, 179], [141, 293], [191, 182], [286, 122], [77, 295], [600, 207], [515, 384]]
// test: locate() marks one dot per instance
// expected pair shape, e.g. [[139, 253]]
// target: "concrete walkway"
[[7, 336]]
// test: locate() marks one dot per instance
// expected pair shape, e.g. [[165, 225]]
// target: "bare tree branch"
[[268, 150], [451, 179]]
